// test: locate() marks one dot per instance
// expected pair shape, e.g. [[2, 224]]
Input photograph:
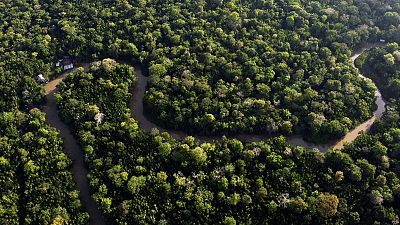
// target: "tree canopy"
[[215, 67]]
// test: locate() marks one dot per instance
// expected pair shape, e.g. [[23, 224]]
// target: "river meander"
[[136, 104]]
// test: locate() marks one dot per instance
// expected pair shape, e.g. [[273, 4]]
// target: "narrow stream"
[[136, 106]]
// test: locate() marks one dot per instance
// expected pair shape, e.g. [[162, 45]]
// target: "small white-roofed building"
[[58, 63], [41, 79]]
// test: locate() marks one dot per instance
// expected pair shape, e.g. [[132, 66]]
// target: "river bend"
[[136, 106], [75, 153]]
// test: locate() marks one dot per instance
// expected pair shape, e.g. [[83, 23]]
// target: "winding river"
[[75, 153], [136, 106]]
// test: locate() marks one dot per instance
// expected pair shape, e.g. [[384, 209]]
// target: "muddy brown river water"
[[75, 153], [136, 106]]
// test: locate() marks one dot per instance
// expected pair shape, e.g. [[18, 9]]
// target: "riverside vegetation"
[[224, 182], [269, 66]]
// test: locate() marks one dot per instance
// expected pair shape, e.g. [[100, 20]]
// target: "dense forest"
[[226, 182], [216, 67], [36, 184], [383, 66], [240, 66]]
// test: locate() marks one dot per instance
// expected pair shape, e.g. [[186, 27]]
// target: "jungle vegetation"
[[260, 66]]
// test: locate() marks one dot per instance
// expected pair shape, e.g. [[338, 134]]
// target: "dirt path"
[[136, 106], [73, 150]]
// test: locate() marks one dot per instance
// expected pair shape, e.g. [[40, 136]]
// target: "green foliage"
[[383, 66], [37, 186], [222, 66], [263, 66], [327, 204], [220, 80], [142, 178]]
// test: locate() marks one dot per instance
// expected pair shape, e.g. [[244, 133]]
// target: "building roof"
[[66, 62], [41, 78], [69, 66]]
